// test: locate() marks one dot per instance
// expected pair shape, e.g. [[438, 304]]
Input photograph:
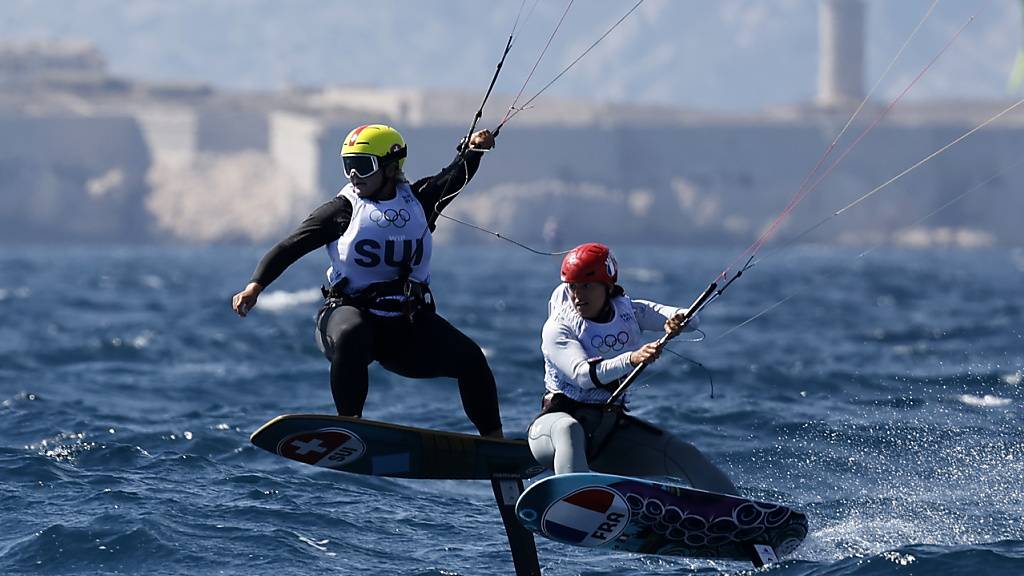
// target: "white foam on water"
[[152, 281], [646, 275], [320, 545], [18, 293], [899, 559], [282, 300], [986, 401]]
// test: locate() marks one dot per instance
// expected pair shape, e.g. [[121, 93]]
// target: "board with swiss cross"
[[381, 449]]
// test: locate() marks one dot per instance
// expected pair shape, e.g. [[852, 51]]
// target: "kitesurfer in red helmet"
[[591, 340]]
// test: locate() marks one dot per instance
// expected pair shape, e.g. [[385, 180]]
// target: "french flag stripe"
[[565, 514], [564, 533], [596, 500]]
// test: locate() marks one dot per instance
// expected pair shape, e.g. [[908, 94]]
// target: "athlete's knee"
[[471, 358], [347, 334], [349, 341], [543, 450], [567, 432], [555, 430]]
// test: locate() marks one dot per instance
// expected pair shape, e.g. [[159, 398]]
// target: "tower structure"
[[840, 52]]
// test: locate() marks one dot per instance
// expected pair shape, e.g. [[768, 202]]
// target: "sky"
[[711, 54]]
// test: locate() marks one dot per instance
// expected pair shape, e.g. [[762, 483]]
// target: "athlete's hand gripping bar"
[[690, 313]]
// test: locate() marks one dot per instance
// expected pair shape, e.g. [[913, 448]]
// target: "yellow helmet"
[[377, 140]]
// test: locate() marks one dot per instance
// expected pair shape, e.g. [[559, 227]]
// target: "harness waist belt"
[[558, 402], [392, 298]]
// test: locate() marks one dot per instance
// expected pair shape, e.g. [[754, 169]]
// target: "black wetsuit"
[[426, 346]]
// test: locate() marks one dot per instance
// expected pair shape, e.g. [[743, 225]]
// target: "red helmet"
[[590, 262]]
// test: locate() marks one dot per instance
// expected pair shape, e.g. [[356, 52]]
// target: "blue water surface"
[[883, 399]]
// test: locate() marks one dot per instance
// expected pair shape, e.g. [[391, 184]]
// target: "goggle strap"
[[394, 156]]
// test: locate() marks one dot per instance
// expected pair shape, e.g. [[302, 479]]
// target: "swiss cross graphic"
[[329, 447], [355, 135], [307, 447]]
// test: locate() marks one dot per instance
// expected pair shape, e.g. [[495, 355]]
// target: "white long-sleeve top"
[[582, 355]]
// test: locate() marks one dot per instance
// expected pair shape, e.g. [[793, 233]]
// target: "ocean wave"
[[63, 549], [19, 397], [281, 300], [19, 293], [986, 401]]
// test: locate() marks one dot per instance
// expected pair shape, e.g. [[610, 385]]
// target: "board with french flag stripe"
[[636, 515]]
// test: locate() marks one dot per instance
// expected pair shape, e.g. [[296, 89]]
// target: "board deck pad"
[[380, 449], [636, 515]]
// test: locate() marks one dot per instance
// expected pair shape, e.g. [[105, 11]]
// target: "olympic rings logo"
[[610, 342], [399, 218]]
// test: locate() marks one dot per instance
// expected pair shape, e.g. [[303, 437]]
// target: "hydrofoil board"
[[380, 449], [636, 515]]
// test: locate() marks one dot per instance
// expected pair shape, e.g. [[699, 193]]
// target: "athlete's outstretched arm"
[[437, 191], [324, 225], [656, 317]]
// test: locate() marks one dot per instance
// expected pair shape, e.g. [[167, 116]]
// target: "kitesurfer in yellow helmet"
[[378, 305], [593, 338]]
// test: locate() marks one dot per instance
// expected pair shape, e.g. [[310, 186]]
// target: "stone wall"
[[723, 182], [73, 178]]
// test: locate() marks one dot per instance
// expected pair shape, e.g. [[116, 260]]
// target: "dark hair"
[[615, 291]]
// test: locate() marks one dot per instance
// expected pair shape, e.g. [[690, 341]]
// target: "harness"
[[401, 297]]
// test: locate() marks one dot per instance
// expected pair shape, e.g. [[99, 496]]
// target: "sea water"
[[883, 398]]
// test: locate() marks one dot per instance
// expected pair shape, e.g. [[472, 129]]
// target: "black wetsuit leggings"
[[429, 347]]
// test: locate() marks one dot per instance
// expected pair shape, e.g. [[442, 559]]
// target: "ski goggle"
[[364, 165]]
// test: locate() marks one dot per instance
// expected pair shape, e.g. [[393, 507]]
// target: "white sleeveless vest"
[[606, 340], [381, 240]]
